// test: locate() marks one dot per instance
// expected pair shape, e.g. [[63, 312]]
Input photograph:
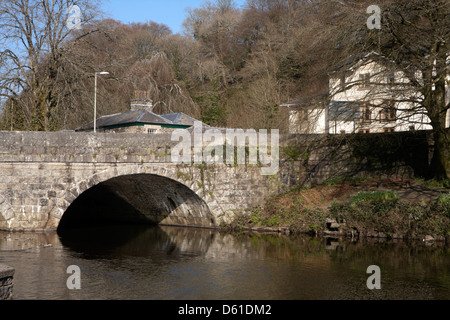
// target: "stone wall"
[[313, 159], [6, 282]]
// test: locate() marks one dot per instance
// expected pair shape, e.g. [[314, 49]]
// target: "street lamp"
[[95, 99]]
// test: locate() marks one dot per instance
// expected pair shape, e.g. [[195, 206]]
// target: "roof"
[[180, 119], [354, 61], [306, 101], [128, 118]]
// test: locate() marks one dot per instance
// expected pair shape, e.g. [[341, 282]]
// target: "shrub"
[[443, 203], [366, 196]]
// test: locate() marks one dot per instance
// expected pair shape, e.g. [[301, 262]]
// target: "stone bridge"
[[63, 179], [56, 180]]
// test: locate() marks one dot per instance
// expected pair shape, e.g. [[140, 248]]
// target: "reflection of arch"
[[161, 243], [128, 196]]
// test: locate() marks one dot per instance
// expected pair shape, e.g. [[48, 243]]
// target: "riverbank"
[[375, 208]]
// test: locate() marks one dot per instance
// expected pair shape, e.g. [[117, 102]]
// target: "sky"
[[169, 12]]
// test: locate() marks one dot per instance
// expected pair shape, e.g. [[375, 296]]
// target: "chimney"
[[141, 101]]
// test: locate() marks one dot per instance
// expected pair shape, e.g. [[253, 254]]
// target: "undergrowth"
[[366, 213]]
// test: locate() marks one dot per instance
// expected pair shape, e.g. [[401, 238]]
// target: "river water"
[[141, 262]]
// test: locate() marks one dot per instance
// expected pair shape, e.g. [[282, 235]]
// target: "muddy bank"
[[367, 209]]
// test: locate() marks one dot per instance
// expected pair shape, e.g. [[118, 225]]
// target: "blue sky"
[[169, 12]]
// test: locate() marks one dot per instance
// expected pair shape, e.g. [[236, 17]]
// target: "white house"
[[366, 94], [308, 115]]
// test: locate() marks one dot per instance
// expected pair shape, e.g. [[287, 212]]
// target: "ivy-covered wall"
[[310, 159]]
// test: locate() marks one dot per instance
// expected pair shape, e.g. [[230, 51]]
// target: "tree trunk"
[[435, 104], [440, 164]]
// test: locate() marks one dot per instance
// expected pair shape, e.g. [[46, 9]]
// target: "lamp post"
[[95, 99]]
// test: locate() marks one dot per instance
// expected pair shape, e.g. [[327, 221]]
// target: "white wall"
[[316, 123]]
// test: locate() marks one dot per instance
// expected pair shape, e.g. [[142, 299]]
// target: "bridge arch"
[[135, 194]]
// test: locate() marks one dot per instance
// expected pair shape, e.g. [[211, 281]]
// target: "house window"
[[390, 78], [303, 114], [388, 113], [366, 113], [364, 80], [364, 131], [388, 130], [342, 83], [151, 131]]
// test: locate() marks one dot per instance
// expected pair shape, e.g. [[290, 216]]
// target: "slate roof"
[[306, 101], [128, 118], [180, 119]]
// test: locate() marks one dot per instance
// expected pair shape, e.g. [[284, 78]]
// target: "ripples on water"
[[137, 262]]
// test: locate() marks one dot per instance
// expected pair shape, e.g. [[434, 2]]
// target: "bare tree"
[[412, 46], [35, 36], [155, 75]]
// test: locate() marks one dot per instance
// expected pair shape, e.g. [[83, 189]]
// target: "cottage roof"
[[127, 118], [180, 118]]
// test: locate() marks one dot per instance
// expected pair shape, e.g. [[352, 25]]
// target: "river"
[[143, 262]]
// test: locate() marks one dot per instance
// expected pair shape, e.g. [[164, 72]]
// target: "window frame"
[[364, 79], [390, 78], [366, 113], [342, 83], [389, 112]]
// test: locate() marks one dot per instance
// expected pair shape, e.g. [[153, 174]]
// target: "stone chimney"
[[141, 101]]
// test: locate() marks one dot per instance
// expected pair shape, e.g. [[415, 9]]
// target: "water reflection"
[[130, 240], [140, 262]]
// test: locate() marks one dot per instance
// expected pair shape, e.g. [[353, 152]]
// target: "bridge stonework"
[[42, 174]]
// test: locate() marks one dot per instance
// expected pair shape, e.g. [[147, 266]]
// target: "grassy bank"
[[364, 208]]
